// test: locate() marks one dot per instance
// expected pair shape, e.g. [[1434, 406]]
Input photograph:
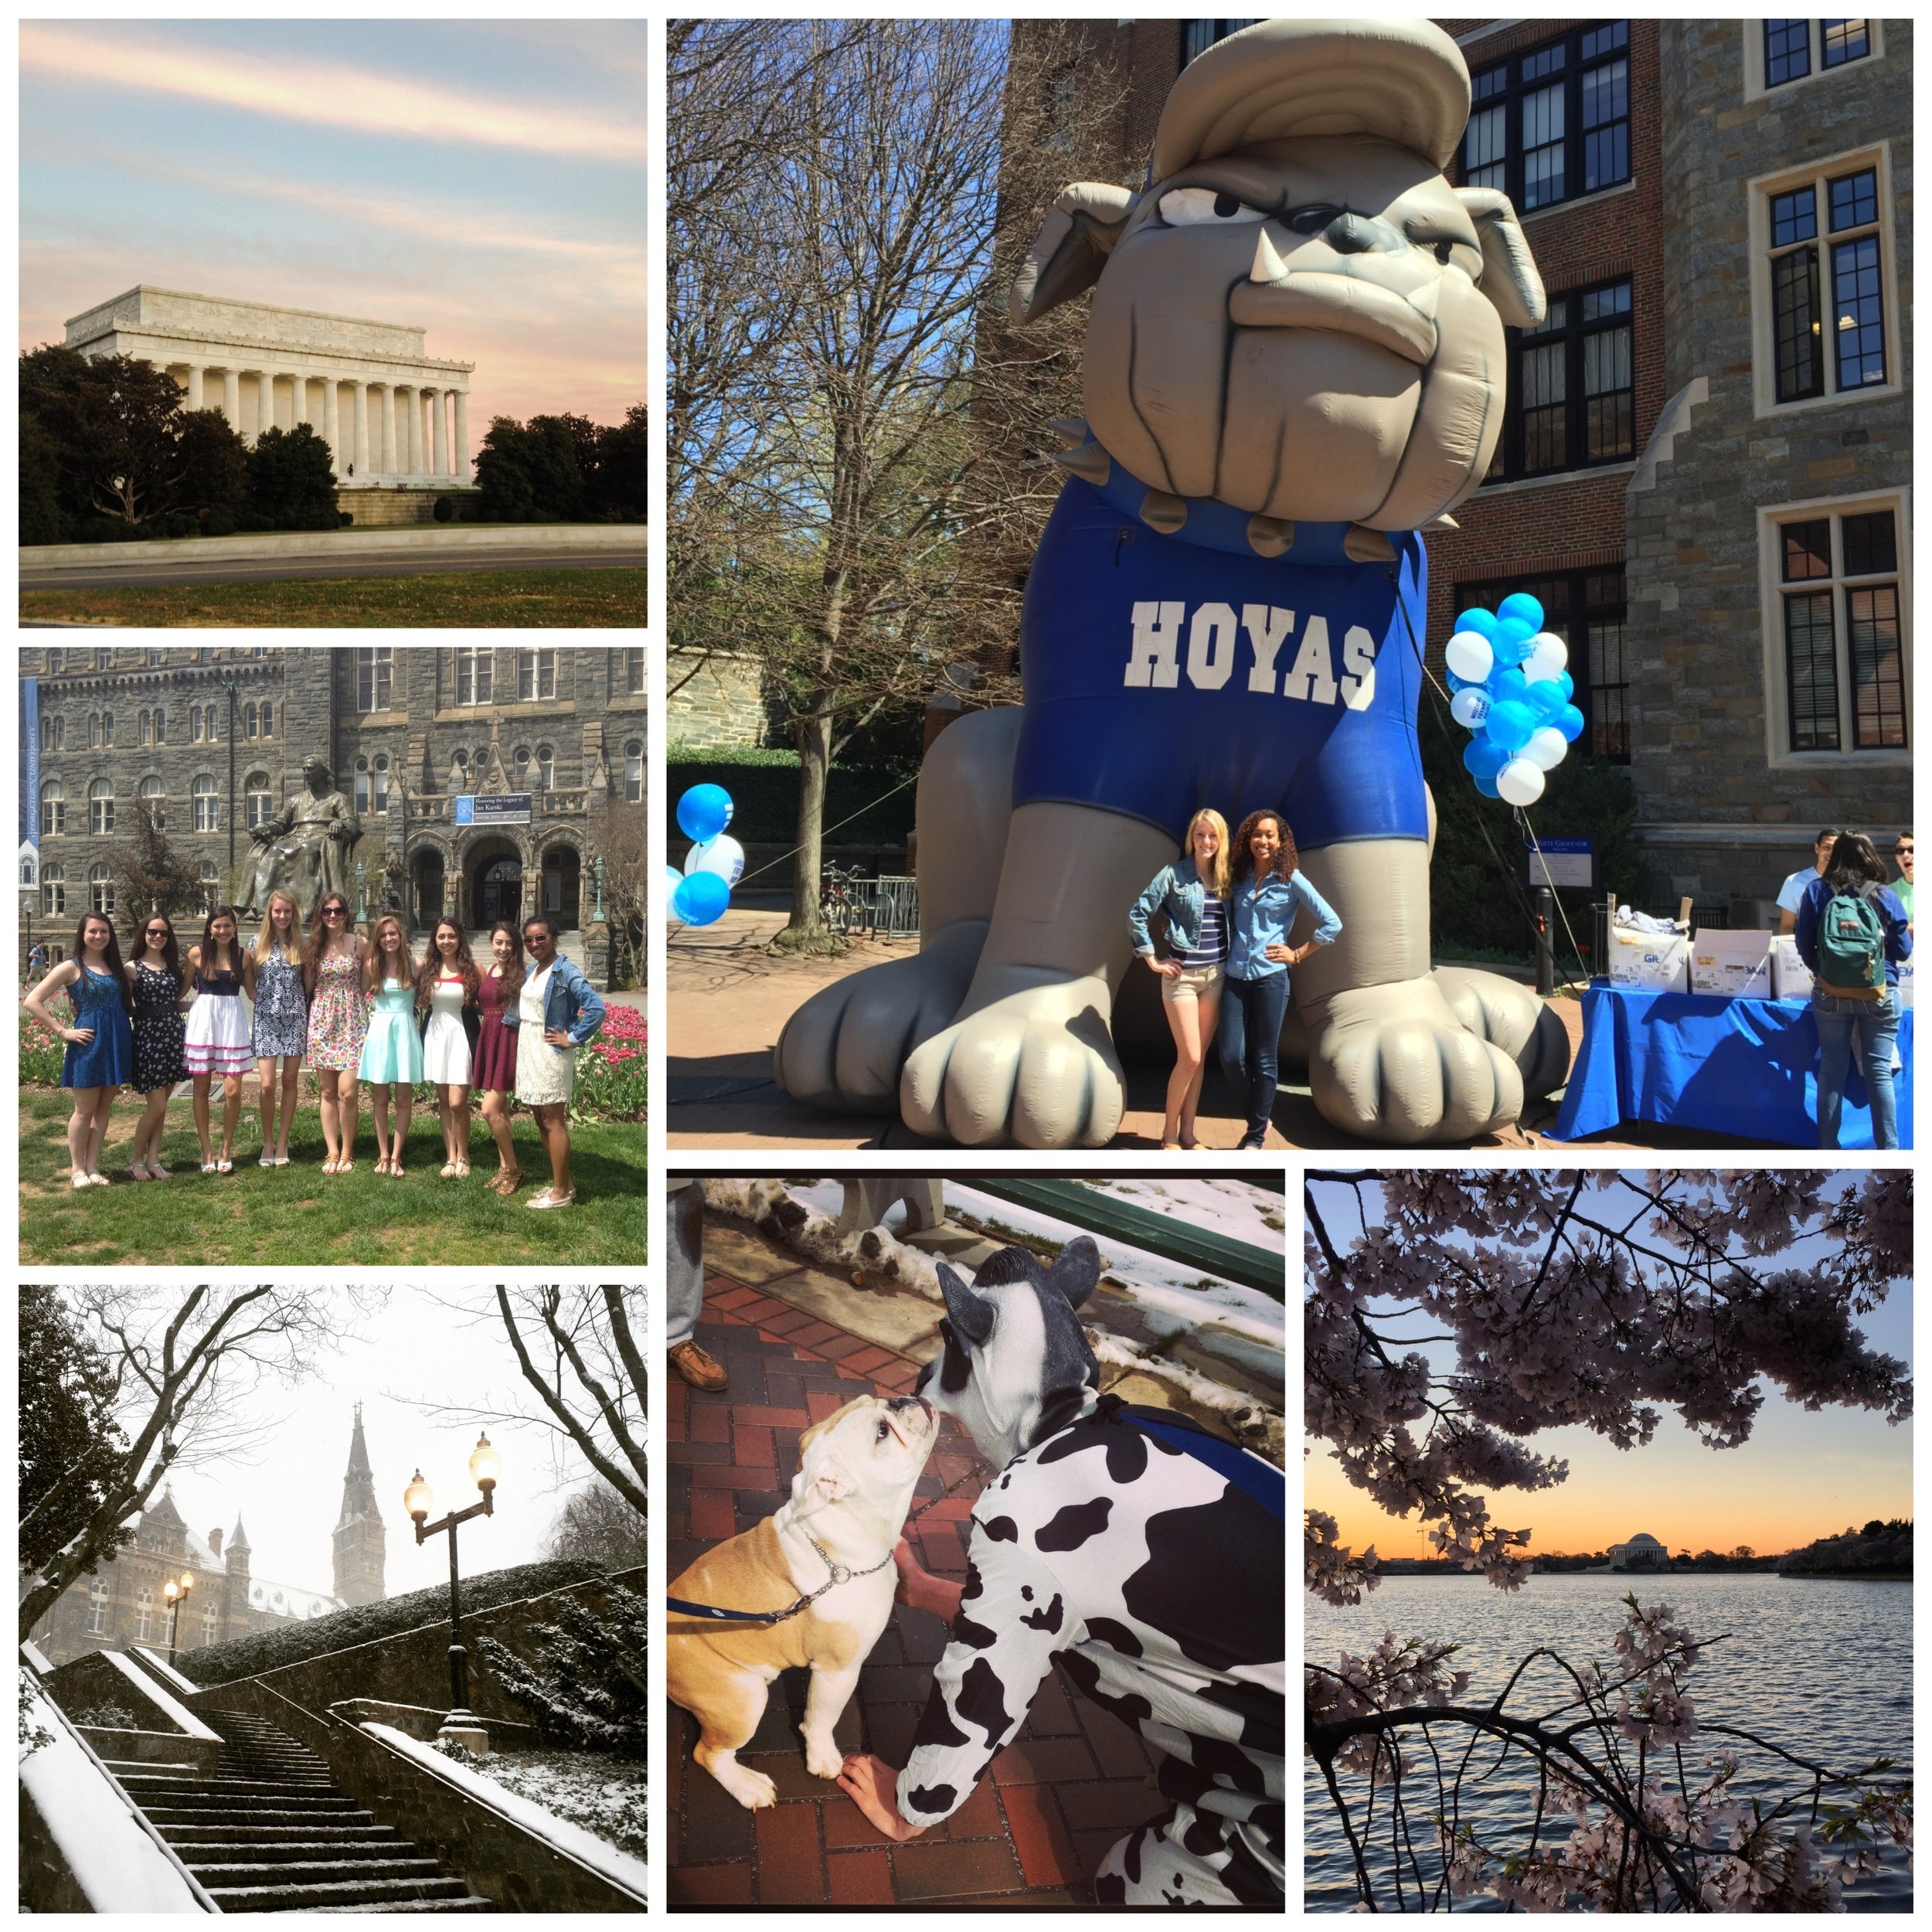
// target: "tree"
[[214, 462], [71, 1446], [621, 836], [115, 422], [623, 468], [1874, 1527], [290, 480], [180, 1361], [506, 488], [1742, 1553], [41, 518], [598, 1525], [149, 874]]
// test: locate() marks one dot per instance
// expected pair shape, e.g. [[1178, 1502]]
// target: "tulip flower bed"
[[613, 1071], [41, 1052]]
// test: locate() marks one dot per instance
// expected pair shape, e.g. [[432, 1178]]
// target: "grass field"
[[298, 1216], [535, 599]]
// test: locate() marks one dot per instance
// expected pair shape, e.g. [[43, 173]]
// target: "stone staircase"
[[270, 1832]]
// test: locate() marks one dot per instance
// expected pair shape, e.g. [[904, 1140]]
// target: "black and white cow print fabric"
[[1158, 1584]]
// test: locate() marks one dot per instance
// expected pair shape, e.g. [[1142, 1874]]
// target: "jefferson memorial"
[[392, 416]]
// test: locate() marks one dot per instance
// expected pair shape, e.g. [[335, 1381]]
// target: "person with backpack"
[[1852, 934]]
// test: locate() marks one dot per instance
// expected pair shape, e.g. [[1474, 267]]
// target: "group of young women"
[[1229, 908], [359, 1011]]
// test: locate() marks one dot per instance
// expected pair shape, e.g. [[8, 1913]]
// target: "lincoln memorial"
[[391, 416]]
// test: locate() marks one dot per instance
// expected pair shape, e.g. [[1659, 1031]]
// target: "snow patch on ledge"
[[626, 1873]]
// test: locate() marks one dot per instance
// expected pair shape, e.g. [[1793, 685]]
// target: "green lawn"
[[530, 599], [298, 1216]]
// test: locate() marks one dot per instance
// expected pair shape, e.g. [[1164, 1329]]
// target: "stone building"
[[123, 1602], [1642, 1552], [477, 773]]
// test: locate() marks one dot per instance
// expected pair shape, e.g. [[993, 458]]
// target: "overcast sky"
[[483, 180], [289, 1492], [1801, 1476]]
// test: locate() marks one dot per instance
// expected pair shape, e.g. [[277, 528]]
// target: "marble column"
[[388, 429], [359, 454], [331, 430], [439, 405], [462, 437], [298, 406], [194, 387], [265, 415], [415, 431], [231, 398]]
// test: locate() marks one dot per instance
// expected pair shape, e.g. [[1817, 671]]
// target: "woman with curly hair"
[[338, 1024], [1270, 891]]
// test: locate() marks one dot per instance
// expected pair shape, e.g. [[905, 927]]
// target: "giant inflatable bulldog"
[[1294, 362]]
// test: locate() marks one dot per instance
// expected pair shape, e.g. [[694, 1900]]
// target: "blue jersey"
[[1161, 676]]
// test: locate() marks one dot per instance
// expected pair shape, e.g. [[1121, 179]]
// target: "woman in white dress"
[[447, 1010], [557, 1010]]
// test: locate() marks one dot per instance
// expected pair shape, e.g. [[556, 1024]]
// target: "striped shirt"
[[1212, 947]]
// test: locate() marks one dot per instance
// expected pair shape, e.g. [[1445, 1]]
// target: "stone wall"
[[368, 508], [723, 702], [1720, 818]]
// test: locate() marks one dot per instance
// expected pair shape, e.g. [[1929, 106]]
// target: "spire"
[[239, 1540], [359, 1454], [359, 1537]]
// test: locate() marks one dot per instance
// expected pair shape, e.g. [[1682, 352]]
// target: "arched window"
[[101, 892], [98, 1599], [53, 809], [210, 1624], [144, 727], [520, 764], [53, 890], [94, 731], [210, 715], [194, 723], [361, 786], [161, 725], [53, 663], [27, 872], [210, 882], [46, 733], [152, 797], [60, 734], [268, 718], [546, 766], [261, 800], [380, 784], [107, 729], [100, 807], [207, 804], [633, 772], [144, 1614], [459, 769], [251, 721]]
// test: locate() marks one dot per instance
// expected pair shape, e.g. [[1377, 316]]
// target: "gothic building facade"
[[360, 1538], [478, 774]]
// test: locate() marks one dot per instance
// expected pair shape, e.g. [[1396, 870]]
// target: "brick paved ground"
[[1073, 1779]]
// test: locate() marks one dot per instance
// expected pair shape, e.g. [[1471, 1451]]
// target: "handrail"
[[1172, 1240]]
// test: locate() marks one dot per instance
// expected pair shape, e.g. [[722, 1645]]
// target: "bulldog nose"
[[1351, 234]]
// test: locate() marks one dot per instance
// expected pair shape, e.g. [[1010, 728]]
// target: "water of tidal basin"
[[1823, 1669]]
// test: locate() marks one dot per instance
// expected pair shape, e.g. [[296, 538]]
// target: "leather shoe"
[[701, 1370]]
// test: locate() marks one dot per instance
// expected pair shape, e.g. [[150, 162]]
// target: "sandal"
[[395, 1168], [329, 1166], [136, 1171], [508, 1180], [208, 1167], [449, 1170], [156, 1171], [382, 1164], [224, 1165], [81, 1180], [462, 1170]]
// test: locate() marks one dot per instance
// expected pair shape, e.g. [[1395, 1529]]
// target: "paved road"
[[394, 563]]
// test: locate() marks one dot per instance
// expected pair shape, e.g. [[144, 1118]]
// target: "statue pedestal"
[[597, 955]]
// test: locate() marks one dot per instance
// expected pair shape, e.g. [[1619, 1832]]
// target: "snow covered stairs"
[[270, 1832]]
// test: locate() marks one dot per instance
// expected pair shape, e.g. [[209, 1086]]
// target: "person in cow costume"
[[1142, 1555], [1294, 362]]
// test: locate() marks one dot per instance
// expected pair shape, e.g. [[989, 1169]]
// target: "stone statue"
[[303, 849]]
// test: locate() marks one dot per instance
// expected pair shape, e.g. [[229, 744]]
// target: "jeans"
[[1875, 1023], [1250, 1040], [684, 1263]]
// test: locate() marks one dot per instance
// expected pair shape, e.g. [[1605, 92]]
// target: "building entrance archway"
[[562, 887], [496, 890], [426, 905]]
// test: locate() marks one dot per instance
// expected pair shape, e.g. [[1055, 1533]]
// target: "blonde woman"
[[392, 1050], [281, 1029], [1190, 896], [338, 1024]]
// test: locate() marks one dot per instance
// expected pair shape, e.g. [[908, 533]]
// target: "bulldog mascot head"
[[1294, 362]]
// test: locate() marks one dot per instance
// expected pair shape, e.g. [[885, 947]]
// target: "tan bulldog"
[[832, 1543], [1298, 320]]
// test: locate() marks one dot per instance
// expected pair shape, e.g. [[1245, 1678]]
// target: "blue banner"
[[30, 762]]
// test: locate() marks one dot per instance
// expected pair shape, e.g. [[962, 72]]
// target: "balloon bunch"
[[700, 893], [1509, 687]]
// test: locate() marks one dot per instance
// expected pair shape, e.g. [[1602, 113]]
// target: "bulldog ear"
[[1509, 278], [1076, 1271], [971, 1314], [1071, 248]]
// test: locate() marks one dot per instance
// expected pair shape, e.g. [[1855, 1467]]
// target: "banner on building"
[[499, 808]]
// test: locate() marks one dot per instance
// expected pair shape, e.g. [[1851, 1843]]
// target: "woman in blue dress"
[[100, 1059], [1270, 890], [391, 1049]]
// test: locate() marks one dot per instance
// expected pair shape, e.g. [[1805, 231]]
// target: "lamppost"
[[462, 1725], [174, 1590]]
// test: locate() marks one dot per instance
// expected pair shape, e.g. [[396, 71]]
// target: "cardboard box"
[[1791, 977], [1657, 962], [1736, 964]]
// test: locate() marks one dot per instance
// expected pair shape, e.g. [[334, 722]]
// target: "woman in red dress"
[[493, 1074]]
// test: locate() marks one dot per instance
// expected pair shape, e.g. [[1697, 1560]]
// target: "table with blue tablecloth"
[[1744, 1067]]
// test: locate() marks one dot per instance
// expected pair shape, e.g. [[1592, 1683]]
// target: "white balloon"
[[1470, 707], [1545, 748], [1547, 655], [1519, 783], [1469, 656], [723, 855]]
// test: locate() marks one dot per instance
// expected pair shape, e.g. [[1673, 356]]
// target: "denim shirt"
[[570, 1003], [1178, 893], [1898, 933], [1264, 918]]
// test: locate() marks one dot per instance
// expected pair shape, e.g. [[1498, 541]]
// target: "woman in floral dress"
[[159, 1035], [281, 1030], [338, 1023]]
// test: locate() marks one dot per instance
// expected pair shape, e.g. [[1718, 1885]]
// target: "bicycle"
[[843, 902]]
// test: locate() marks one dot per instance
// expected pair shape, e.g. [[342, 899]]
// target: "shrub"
[[445, 509], [221, 522], [587, 1684], [105, 529], [252, 520]]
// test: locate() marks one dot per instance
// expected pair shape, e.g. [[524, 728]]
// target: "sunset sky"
[[1801, 1476], [484, 180]]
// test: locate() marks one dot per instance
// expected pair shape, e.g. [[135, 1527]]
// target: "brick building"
[[123, 1603], [215, 737]]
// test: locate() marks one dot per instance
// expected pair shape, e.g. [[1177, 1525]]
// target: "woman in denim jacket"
[[1270, 890], [1190, 895], [557, 1010], [1854, 867]]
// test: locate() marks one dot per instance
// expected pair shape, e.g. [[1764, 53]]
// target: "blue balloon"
[[703, 812], [701, 897], [1509, 726], [1454, 683], [1481, 621], [1524, 608], [1483, 761], [1488, 787], [1546, 698], [1568, 683], [1506, 685], [1569, 722], [1511, 641]]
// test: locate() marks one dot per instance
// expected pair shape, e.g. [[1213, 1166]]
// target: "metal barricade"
[[894, 909]]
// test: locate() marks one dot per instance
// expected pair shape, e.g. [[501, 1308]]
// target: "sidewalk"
[[1072, 1780]]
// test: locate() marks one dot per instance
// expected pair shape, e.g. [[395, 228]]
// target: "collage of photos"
[[1206, 650]]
